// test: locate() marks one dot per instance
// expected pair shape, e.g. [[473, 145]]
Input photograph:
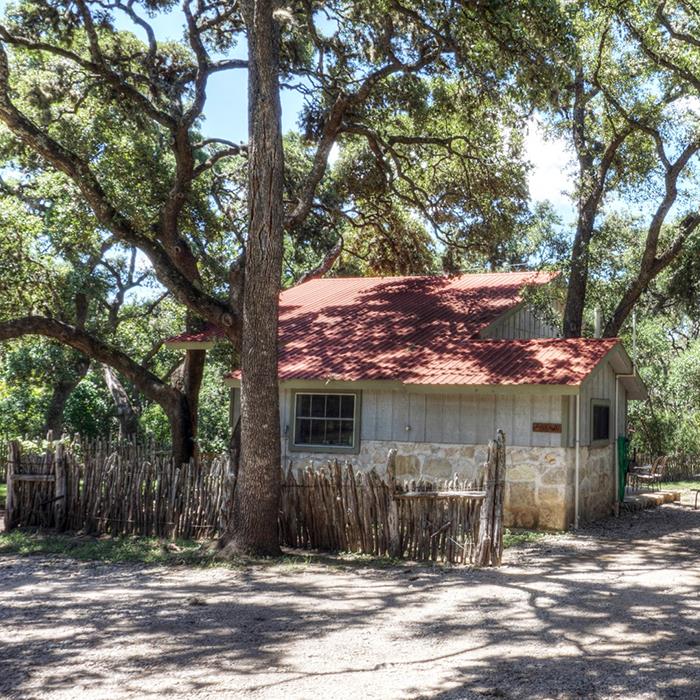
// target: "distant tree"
[[625, 111]]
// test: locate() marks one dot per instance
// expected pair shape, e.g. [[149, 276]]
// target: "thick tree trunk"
[[128, 420], [578, 276], [256, 499], [181, 429], [61, 391], [192, 383]]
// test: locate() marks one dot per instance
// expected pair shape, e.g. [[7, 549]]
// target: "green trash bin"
[[623, 456]]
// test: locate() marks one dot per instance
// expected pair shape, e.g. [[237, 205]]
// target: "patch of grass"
[[513, 538], [153, 551], [157, 552], [679, 485], [3, 494], [145, 550]]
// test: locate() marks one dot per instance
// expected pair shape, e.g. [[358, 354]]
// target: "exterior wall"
[[601, 385], [462, 419], [596, 482], [447, 434], [522, 324]]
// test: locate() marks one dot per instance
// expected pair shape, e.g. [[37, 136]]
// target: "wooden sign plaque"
[[546, 427]]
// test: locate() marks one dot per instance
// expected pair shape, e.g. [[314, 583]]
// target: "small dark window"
[[601, 422], [325, 420]]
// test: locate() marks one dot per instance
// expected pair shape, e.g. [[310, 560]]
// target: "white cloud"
[[551, 176]]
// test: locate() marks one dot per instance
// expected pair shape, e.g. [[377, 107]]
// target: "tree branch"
[[80, 173], [145, 381], [325, 265]]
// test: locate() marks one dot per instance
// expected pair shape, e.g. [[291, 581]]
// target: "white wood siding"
[[523, 324], [462, 419], [599, 385], [472, 419]]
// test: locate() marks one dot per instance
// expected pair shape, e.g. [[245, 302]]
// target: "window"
[[324, 420], [600, 421]]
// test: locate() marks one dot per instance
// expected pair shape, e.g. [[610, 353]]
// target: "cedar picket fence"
[[337, 509], [121, 488], [133, 489]]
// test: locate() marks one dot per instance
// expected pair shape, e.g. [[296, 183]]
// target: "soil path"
[[613, 612]]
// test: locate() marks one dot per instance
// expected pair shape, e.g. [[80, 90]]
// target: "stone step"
[[650, 499]]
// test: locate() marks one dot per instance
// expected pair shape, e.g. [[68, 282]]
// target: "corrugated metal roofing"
[[421, 330], [381, 311], [209, 334], [549, 361]]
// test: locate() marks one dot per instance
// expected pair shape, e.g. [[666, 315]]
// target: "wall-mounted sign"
[[546, 427]]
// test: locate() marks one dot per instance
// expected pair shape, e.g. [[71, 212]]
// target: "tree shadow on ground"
[[613, 611]]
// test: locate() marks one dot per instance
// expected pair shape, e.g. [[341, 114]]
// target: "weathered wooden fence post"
[[497, 542], [393, 510], [60, 487], [489, 550], [12, 467]]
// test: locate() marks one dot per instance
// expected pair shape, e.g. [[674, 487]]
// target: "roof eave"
[[190, 344], [394, 385]]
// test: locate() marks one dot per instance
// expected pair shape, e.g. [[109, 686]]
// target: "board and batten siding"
[[457, 419], [601, 385], [522, 323], [472, 419]]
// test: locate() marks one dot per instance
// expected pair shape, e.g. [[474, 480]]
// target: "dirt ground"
[[611, 613]]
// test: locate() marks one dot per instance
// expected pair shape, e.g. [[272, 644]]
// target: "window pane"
[[325, 419], [332, 432], [303, 405], [347, 407], [601, 422], [318, 405], [333, 406], [317, 432], [302, 435], [346, 431]]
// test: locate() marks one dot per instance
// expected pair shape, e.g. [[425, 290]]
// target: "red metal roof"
[[387, 310], [451, 361], [210, 334], [421, 330]]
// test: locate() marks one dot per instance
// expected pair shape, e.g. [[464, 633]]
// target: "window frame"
[[605, 403], [340, 449]]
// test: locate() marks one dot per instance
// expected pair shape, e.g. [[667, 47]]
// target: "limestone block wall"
[[539, 480], [596, 482]]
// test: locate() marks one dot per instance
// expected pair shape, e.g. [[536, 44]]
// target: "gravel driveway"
[[614, 612]]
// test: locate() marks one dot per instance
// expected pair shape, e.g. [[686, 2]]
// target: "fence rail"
[[132, 489]]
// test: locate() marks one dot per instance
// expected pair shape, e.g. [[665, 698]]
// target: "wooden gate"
[[37, 487]]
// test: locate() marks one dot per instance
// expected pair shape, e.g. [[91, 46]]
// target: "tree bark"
[[128, 420], [578, 276], [61, 391], [651, 266], [253, 527]]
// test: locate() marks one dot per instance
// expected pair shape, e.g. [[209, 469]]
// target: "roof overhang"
[[203, 339], [190, 344], [388, 385], [624, 368]]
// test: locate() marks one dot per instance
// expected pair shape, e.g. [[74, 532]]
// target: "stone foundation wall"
[[596, 482], [539, 480]]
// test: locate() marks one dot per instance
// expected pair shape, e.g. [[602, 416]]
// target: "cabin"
[[432, 366]]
